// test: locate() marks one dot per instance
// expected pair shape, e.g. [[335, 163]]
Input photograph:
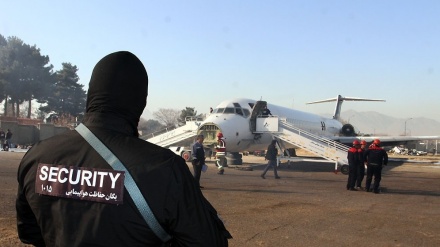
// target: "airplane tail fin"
[[339, 99]]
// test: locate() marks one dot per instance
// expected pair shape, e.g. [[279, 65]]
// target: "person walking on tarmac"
[[354, 155], [271, 156], [220, 153], [361, 169], [375, 157]]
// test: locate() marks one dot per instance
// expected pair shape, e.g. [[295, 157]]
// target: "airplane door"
[[256, 110]]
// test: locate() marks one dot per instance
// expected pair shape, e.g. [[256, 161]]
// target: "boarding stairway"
[[168, 137], [328, 149]]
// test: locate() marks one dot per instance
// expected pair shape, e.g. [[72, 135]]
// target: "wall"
[[28, 134]]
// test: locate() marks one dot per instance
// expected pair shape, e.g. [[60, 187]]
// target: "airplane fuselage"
[[233, 119]]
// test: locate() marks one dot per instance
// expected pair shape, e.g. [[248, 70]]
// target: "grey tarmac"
[[308, 206]]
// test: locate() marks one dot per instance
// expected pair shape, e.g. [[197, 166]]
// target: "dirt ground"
[[308, 206]]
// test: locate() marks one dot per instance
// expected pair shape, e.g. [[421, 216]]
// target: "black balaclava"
[[118, 91]]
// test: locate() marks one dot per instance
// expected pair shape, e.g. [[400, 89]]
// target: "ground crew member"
[[361, 170], [198, 158], [68, 195], [220, 154], [354, 155], [375, 157]]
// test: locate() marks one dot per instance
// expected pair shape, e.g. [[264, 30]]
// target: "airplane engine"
[[347, 130]]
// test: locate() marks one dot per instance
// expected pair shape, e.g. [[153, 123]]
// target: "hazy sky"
[[199, 53]]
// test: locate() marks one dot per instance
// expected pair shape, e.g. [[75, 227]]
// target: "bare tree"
[[149, 126], [167, 117]]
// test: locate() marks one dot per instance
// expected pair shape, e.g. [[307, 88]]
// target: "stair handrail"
[[301, 132]]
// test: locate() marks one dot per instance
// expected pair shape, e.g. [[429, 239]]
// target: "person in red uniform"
[[220, 153], [375, 157], [361, 170], [354, 156], [62, 197]]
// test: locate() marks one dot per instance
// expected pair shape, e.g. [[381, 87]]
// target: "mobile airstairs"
[[168, 137], [328, 149]]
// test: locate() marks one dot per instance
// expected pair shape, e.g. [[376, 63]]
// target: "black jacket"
[[271, 153], [163, 178], [116, 97], [355, 156], [376, 156]]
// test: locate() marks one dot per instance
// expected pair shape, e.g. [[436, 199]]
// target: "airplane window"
[[236, 105], [239, 111], [229, 110], [251, 105], [219, 110], [246, 112]]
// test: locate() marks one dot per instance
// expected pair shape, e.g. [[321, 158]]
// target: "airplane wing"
[[385, 140]]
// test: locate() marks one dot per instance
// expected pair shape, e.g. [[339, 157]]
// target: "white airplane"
[[237, 119]]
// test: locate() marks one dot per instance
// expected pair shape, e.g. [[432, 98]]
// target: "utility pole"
[[436, 147]]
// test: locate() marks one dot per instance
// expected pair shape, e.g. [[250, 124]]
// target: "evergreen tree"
[[67, 98], [24, 73], [187, 112], [3, 44]]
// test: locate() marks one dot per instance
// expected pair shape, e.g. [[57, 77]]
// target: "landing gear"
[[234, 158]]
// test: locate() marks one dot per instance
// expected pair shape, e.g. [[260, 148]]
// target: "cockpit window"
[[239, 111], [246, 112], [233, 110], [236, 105], [229, 110], [251, 105], [219, 110]]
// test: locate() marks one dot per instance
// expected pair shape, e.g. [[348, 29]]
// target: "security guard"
[[68, 195], [375, 157]]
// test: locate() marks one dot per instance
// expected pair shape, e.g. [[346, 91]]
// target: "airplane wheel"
[[234, 155], [186, 156], [344, 169], [234, 158], [234, 161]]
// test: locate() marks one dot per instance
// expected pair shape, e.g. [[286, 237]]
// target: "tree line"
[[27, 76]]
